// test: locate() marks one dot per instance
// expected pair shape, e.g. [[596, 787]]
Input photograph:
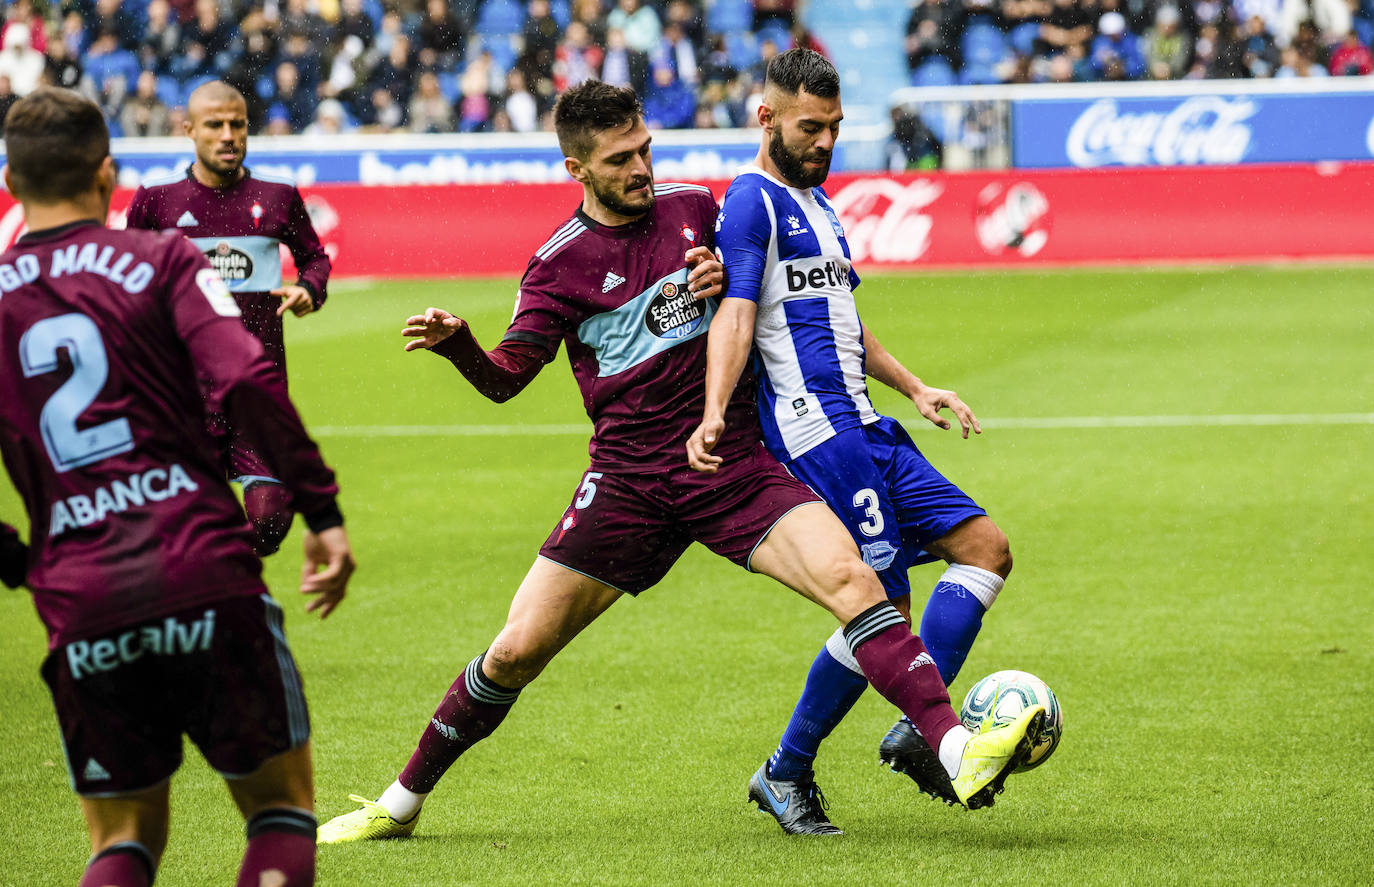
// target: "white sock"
[[982, 584], [401, 803], [838, 648], [952, 748]]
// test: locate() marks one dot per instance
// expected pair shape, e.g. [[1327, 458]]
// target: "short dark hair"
[[799, 68], [55, 141], [589, 108]]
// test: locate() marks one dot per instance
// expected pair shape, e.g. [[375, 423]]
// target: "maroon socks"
[[473, 708]]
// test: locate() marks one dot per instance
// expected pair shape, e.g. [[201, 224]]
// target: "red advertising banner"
[[1001, 219]]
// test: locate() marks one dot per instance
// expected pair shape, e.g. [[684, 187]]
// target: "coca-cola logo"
[[1012, 218], [886, 220], [1200, 130]]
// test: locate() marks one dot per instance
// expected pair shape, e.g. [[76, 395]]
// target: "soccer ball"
[[999, 698]]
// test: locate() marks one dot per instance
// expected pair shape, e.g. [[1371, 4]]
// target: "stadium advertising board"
[[1013, 218], [406, 163], [1192, 129]]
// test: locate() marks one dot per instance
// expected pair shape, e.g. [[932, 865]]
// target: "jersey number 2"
[[68, 446]]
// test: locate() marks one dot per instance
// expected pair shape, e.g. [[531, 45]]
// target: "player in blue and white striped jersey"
[[791, 296]]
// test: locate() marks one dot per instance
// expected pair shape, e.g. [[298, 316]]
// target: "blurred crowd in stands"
[[425, 66], [331, 66], [1063, 41]]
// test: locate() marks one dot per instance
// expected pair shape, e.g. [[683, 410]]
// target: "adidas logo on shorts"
[[94, 772]]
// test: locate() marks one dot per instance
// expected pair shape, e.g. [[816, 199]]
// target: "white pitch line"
[[1033, 422], [1223, 420]]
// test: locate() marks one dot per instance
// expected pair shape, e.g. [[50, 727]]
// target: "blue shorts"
[[890, 497]]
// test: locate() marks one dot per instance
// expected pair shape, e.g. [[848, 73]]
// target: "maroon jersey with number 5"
[[113, 344]]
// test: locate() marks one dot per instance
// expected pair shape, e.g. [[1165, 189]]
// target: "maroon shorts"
[[220, 672], [628, 530]]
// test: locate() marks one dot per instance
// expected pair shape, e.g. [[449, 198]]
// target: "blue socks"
[[950, 624], [831, 690], [954, 615]]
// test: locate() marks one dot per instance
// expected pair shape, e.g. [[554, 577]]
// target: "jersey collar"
[[55, 232]]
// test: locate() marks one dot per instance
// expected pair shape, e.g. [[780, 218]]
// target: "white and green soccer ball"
[[999, 699]]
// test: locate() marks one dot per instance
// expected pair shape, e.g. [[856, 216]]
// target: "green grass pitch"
[[1195, 590]]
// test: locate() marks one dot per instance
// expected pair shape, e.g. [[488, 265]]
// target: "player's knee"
[[846, 585], [516, 658], [981, 543], [998, 552]]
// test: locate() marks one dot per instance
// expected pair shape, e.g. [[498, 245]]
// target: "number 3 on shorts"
[[867, 499], [587, 492]]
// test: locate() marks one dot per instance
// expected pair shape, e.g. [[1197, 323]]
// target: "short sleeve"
[[744, 230]]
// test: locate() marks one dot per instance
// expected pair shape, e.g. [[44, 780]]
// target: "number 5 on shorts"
[[587, 492]]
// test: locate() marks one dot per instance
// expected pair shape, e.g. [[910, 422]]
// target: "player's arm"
[[308, 293], [743, 232], [139, 214], [881, 365], [14, 556], [727, 350], [240, 382], [498, 375]]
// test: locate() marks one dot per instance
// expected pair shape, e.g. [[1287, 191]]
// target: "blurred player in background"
[[239, 219], [613, 284], [141, 563], [791, 298]]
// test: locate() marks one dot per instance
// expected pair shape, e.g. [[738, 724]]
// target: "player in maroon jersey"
[[626, 284], [113, 344], [239, 219]]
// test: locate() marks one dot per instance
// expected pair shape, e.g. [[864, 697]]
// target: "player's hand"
[[931, 400], [294, 298], [430, 328], [328, 565], [706, 279], [702, 442]]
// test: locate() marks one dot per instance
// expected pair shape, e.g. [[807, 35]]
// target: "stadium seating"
[[934, 71], [500, 17], [983, 45], [1023, 38], [726, 16]]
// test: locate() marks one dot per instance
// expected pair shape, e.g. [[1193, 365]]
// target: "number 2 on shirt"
[[68, 446]]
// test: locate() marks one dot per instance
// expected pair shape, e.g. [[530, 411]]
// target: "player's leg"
[[809, 551], [247, 714], [121, 737], [552, 605], [128, 834], [939, 521], [850, 480], [584, 566], [277, 802], [979, 562]]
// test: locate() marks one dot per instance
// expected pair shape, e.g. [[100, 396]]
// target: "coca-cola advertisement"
[[1212, 129], [936, 220]]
